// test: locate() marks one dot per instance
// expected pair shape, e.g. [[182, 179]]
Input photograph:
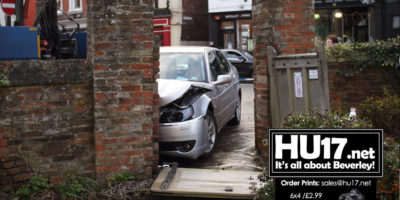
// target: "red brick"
[[56, 179], [99, 96], [22, 177], [3, 143], [99, 67], [148, 73], [131, 88], [119, 161], [100, 53], [80, 109], [142, 66], [131, 153], [7, 165], [100, 147], [127, 140], [129, 101]]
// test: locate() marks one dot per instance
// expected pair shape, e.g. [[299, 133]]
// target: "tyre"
[[238, 114], [211, 133]]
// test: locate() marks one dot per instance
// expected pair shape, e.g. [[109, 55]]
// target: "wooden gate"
[[298, 82]]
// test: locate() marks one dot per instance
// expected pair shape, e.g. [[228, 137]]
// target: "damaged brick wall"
[[46, 121], [287, 25], [121, 52], [89, 118]]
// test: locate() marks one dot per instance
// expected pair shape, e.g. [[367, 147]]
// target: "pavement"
[[235, 147]]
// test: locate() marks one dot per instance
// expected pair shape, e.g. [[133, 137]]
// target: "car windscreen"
[[182, 66]]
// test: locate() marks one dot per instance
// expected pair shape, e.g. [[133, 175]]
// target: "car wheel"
[[211, 132], [238, 114]]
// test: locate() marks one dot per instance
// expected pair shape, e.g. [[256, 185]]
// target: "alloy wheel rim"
[[211, 134]]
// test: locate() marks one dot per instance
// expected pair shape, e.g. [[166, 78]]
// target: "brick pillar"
[[287, 25], [121, 52]]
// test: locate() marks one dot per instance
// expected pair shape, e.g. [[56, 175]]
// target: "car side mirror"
[[223, 79]]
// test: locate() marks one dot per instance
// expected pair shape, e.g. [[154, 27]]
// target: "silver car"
[[199, 93]]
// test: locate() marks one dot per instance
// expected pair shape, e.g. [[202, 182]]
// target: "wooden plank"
[[325, 104], [208, 183]]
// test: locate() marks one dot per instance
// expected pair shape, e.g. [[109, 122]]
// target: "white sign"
[[313, 74], [219, 6], [298, 85]]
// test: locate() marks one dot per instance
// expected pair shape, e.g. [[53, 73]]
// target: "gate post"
[[288, 26], [121, 53]]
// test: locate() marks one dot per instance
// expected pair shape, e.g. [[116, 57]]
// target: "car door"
[[231, 94], [220, 93]]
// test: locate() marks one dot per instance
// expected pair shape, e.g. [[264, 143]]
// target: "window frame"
[[60, 8], [72, 7]]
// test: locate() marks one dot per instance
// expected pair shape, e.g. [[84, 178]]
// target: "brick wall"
[[90, 118], [346, 92], [287, 25], [197, 28], [121, 52], [46, 121]]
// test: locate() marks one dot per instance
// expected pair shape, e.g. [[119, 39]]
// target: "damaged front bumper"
[[183, 139]]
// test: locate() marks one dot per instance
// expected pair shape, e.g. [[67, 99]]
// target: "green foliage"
[[384, 112], [379, 53], [37, 185], [3, 77], [310, 120], [316, 120], [388, 186], [76, 187], [268, 191], [119, 178]]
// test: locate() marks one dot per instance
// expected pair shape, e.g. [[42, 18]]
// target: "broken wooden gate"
[[297, 82]]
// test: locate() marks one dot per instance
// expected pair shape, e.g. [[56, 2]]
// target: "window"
[[59, 6], [75, 5], [218, 64], [224, 63], [232, 54], [214, 65], [396, 26]]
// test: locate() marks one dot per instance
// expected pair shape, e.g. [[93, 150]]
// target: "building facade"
[[357, 20], [181, 22], [230, 24]]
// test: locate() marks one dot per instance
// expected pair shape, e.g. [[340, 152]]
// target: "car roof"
[[230, 50], [186, 49]]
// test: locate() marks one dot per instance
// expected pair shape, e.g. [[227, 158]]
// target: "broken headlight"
[[174, 113]]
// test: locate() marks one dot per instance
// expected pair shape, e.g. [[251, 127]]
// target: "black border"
[[378, 173]]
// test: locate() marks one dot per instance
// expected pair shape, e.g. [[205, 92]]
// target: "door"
[[221, 92], [231, 96], [229, 39]]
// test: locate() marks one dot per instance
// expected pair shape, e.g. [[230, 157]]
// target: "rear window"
[[182, 66]]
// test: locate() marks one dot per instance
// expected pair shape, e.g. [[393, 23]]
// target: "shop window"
[[396, 26]]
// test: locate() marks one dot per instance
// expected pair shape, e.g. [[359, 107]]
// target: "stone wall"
[[287, 25], [46, 121]]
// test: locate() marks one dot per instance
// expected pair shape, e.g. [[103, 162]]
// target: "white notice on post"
[[313, 74], [298, 85]]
